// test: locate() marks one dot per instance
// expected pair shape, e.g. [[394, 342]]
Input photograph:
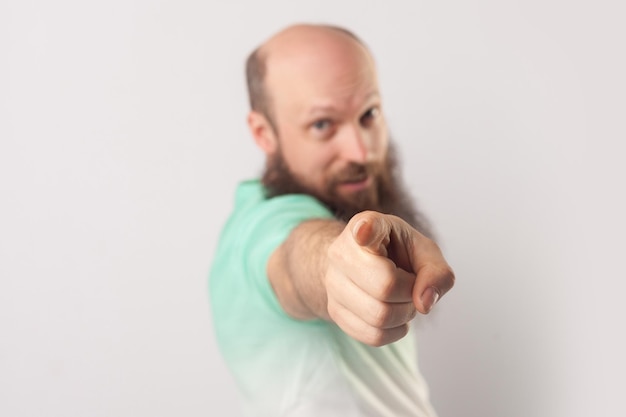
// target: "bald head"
[[306, 35], [305, 47]]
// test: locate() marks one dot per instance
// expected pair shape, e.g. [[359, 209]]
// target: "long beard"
[[388, 195]]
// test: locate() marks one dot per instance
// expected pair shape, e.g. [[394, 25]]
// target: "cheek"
[[377, 141], [381, 140], [309, 161]]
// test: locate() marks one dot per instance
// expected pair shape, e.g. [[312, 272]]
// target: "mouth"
[[356, 184]]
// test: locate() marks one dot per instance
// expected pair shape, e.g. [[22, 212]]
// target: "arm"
[[370, 276], [296, 268]]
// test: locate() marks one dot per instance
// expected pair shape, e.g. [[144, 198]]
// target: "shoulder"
[[254, 209]]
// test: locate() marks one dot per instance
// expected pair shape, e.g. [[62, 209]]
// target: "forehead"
[[319, 72]]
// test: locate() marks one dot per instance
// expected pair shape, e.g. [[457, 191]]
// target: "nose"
[[355, 145]]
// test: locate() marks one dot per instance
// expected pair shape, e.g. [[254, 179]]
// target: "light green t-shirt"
[[286, 367]]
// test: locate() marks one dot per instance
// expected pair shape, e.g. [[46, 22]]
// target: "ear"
[[262, 132]]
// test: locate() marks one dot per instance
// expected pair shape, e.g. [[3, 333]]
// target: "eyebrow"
[[321, 108]]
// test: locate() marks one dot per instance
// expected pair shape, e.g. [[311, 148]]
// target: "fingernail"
[[357, 227], [429, 298]]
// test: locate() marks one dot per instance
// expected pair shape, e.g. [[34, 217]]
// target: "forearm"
[[296, 269]]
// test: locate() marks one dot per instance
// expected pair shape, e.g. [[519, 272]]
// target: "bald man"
[[324, 261]]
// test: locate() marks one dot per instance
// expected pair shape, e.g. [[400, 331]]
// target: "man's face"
[[331, 133]]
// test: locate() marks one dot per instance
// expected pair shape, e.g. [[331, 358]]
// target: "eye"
[[321, 125], [368, 117], [322, 129]]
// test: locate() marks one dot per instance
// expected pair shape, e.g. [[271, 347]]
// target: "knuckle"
[[380, 314], [384, 289], [385, 285], [380, 337], [334, 312], [385, 315], [376, 337]]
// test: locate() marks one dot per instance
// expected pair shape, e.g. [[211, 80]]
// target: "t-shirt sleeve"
[[270, 224]]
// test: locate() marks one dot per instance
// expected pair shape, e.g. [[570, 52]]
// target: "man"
[[321, 267]]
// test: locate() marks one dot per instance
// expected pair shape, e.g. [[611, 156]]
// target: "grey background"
[[122, 137]]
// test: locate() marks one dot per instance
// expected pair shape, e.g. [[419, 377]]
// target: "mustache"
[[354, 172]]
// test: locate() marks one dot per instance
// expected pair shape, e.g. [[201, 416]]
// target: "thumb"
[[371, 231]]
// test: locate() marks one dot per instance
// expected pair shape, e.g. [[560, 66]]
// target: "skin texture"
[[372, 275], [326, 107]]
